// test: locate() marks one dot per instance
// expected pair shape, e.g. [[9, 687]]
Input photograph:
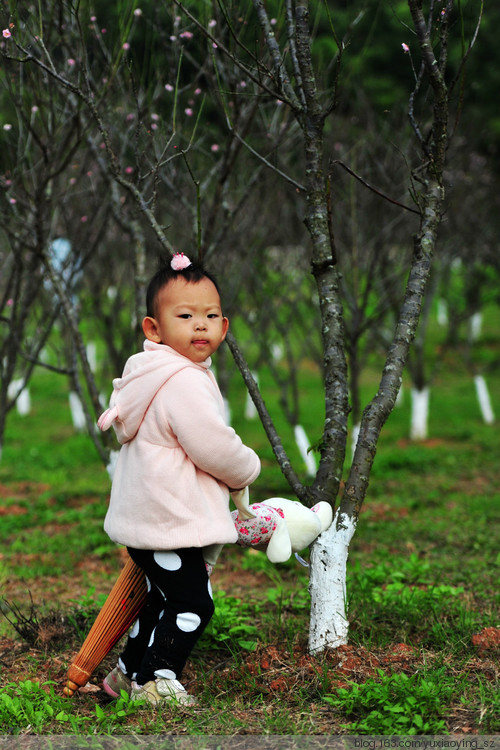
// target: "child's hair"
[[192, 274]]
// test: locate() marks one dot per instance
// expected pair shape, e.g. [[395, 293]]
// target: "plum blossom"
[[137, 12], [126, 46], [10, 302], [186, 35], [188, 111], [12, 201], [6, 34], [169, 87], [7, 126], [214, 147], [71, 62], [405, 47], [129, 170], [212, 23]]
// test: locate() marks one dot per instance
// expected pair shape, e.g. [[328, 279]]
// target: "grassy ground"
[[422, 586]]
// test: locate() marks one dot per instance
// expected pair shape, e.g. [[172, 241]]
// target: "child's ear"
[[150, 328], [225, 326]]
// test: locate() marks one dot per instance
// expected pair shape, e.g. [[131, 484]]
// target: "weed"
[[31, 706], [233, 624], [397, 704]]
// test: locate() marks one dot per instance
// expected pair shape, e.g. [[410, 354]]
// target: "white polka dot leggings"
[[178, 607]]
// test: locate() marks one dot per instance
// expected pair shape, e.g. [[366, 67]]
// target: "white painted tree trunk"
[[23, 399], [77, 413], [303, 445], [354, 438], [475, 326], [483, 396], [110, 468], [419, 413], [442, 312], [91, 350], [250, 410], [227, 410], [329, 626], [400, 397]]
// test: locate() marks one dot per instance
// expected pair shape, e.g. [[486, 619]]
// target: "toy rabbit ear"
[[241, 498], [279, 548]]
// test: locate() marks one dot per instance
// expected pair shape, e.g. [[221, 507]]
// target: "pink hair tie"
[[179, 262]]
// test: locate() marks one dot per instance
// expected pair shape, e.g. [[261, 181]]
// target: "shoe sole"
[[109, 690]]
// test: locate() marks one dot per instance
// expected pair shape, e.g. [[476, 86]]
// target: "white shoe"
[[160, 690]]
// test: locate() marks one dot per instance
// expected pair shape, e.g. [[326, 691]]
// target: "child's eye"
[[186, 316], [213, 315]]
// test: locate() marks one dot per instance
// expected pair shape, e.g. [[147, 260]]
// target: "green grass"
[[423, 571]]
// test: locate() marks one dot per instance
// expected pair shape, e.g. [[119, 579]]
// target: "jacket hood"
[[143, 376]]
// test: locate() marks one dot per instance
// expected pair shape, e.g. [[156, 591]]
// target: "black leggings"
[[178, 607]]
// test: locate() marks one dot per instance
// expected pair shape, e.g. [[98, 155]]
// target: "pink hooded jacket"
[[178, 456]]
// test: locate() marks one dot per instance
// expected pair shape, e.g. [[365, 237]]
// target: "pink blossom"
[[72, 181], [125, 46], [7, 126], [186, 35], [197, 92], [154, 126], [169, 87], [212, 23], [129, 170], [84, 219], [188, 111], [12, 201], [214, 147], [10, 302], [155, 117], [173, 38], [130, 117], [405, 47], [6, 34], [93, 19], [137, 12], [71, 62]]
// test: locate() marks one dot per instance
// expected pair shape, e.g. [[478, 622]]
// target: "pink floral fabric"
[[259, 530]]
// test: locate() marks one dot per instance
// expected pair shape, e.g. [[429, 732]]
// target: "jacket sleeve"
[[194, 411]]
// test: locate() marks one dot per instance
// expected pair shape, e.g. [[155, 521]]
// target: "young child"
[[178, 462]]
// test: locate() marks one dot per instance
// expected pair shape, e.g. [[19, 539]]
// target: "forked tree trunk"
[[329, 624]]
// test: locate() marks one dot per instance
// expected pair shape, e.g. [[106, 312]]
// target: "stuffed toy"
[[278, 525], [282, 526]]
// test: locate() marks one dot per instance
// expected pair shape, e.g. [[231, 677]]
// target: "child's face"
[[188, 318]]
